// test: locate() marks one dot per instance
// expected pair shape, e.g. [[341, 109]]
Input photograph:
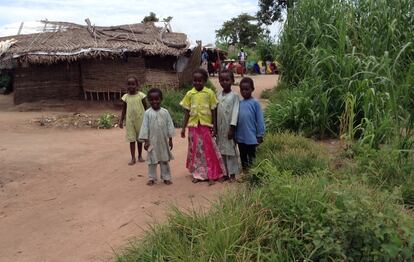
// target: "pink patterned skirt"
[[203, 159]]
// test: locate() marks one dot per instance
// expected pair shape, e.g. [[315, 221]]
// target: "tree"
[[152, 17], [271, 11], [243, 30]]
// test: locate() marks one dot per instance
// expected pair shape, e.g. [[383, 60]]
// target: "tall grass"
[[334, 50]]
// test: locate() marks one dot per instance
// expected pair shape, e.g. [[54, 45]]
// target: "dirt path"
[[69, 195]]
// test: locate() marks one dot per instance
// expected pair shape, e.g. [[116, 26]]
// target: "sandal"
[[140, 159], [167, 182], [150, 183], [211, 182], [195, 180]]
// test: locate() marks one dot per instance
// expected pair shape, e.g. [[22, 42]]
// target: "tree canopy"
[[243, 30], [271, 11], [152, 17]]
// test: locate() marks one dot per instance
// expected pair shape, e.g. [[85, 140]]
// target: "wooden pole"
[[20, 28]]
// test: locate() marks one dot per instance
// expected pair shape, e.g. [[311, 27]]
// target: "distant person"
[[242, 60], [230, 66], [262, 68], [250, 125], [133, 106], [156, 132], [273, 67], [227, 114], [204, 59], [203, 158], [256, 68]]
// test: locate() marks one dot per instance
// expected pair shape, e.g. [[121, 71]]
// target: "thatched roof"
[[71, 42]]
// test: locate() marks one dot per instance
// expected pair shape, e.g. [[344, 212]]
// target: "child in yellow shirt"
[[203, 158]]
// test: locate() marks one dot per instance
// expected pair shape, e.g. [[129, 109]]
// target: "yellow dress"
[[134, 115]]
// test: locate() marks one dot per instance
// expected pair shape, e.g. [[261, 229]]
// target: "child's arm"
[[170, 143], [185, 122], [123, 112], [234, 118], [260, 123], [144, 103], [143, 135]]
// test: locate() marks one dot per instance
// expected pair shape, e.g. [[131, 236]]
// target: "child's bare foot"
[[167, 182], [132, 162], [150, 183], [195, 180], [211, 182], [140, 159]]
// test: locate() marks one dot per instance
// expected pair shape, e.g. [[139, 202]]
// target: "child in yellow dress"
[[134, 106]]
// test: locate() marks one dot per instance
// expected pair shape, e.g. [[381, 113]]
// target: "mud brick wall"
[[39, 82], [111, 75], [161, 78]]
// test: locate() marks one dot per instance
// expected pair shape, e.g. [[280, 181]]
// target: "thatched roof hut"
[[75, 60]]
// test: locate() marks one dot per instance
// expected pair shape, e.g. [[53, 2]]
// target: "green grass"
[[287, 152], [314, 215]]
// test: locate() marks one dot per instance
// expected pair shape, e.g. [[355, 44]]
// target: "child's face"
[[246, 90], [132, 86], [198, 81], [225, 81], [154, 100]]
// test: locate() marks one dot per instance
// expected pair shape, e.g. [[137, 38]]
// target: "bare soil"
[[67, 194]]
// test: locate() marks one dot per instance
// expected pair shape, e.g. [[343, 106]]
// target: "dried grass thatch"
[[71, 42]]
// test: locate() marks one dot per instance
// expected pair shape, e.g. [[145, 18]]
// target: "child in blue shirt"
[[250, 125]]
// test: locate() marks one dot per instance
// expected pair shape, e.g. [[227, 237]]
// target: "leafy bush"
[[171, 102], [106, 121]]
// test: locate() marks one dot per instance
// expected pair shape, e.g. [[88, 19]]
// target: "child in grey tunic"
[[227, 114], [156, 132]]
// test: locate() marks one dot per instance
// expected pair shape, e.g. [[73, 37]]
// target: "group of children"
[[216, 125]]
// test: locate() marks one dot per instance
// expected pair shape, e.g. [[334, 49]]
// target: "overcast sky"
[[198, 19]]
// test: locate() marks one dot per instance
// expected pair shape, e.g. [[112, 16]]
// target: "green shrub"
[[171, 102], [321, 220], [106, 121]]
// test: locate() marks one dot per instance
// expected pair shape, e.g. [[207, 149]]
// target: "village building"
[[92, 62]]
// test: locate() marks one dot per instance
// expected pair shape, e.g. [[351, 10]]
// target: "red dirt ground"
[[69, 195]]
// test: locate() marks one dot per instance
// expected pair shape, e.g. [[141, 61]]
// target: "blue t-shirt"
[[250, 124]]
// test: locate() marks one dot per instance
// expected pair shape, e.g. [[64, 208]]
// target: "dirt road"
[[69, 195]]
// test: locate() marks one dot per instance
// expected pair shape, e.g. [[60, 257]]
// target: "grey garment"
[[227, 114], [157, 127], [181, 63], [165, 171], [232, 164]]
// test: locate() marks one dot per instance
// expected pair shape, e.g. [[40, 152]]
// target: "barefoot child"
[[227, 114], [203, 159], [250, 125], [134, 106], [157, 131]]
